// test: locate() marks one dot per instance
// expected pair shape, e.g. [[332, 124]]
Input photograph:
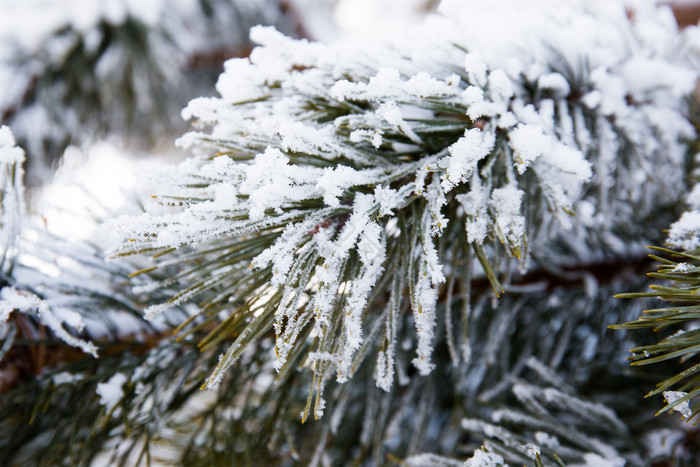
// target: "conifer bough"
[[336, 188]]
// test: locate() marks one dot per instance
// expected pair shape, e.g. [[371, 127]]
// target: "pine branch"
[[674, 324], [318, 173]]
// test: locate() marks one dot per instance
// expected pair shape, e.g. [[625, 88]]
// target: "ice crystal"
[[682, 407]]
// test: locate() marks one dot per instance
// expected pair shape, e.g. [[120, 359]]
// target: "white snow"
[[111, 391], [65, 377], [12, 187], [554, 82], [685, 232], [693, 197], [591, 459], [506, 202], [547, 440], [466, 153], [431, 460], [661, 442], [528, 143], [483, 458], [25, 302]]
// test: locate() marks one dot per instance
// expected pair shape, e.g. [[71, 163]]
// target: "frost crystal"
[[528, 142], [483, 458], [685, 232], [465, 154], [53, 318], [111, 392], [12, 190]]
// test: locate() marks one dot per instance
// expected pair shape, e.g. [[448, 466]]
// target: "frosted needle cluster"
[[335, 188]]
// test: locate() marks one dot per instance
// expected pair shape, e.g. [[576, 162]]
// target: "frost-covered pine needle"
[[320, 165]]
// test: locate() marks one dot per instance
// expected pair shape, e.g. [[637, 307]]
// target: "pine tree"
[[404, 254]]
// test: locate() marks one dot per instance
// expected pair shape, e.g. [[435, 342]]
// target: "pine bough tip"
[[330, 178]]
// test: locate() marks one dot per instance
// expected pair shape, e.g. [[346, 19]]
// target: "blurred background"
[[76, 71], [87, 86]]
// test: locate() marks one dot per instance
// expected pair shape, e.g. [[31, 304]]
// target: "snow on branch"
[[322, 165]]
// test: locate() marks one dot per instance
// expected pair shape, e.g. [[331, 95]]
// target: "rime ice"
[[325, 152]]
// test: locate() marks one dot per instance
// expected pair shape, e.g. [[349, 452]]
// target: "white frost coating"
[[480, 105], [547, 440], [241, 81], [6, 137], [563, 399], [298, 137], [65, 377], [500, 85], [372, 136], [392, 113], [389, 83], [9, 153], [476, 67], [435, 195], [683, 407], [554, 82], [329, 140], [318, 411], [267, 182], [25, 302], [685, 232], [642, 74], [693, 198], [431, 460], [335, 254], [379, 86], [384, 369], [424, 299], [483, 458], [388, 200], [333, 181], [111, 392], [372, 250], [280, 255], [528, 143], [591, 459], [12, 189], [475, 205], [465, 154], [662, 442], [506, 202], [424, 85]]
